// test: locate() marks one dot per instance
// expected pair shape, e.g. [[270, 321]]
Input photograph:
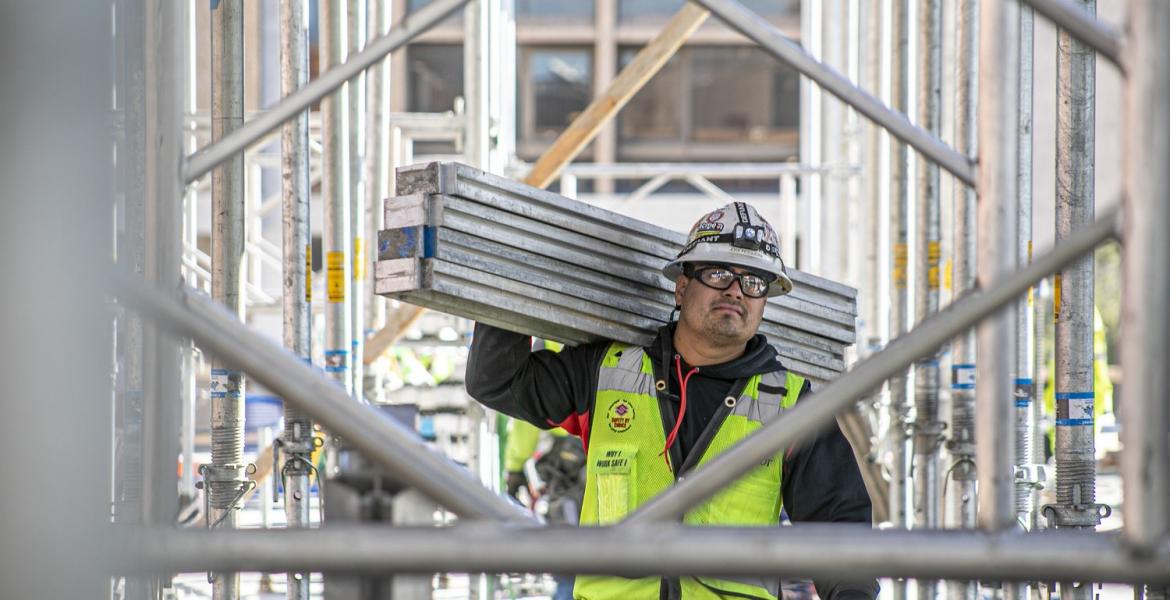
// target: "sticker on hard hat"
[[747, 252]]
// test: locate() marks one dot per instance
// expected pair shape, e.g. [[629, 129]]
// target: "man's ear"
[[680, 286]]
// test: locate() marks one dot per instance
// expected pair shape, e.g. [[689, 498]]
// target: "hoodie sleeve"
[[545, 388], [823, 484]]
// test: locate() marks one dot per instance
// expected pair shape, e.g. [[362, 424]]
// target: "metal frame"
[[630, 548], [203, 161], [663, 549]]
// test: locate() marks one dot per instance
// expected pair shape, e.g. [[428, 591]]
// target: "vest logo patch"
[[620, 415]]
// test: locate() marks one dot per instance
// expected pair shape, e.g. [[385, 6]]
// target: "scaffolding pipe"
[[996, 246], [389, 444], [811, 549], [203, 161], [160, 418], [963, 367], [296, 444], [772, 40], [874, 272], [224, 480], [840, 394], [899, 292], [1146, 460], [1071, 17], [377, 154], [927, 427], [192, 359], [1076, 504], [56, 230], [335, 192], [1027, 476], [131, 256], [356, 297]]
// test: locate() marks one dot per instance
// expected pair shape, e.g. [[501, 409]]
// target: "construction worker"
[[649, 415], [522, 437]]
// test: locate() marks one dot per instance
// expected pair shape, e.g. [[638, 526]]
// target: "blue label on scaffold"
[[963, 377], [336, 361], [1074, 409], [226, 383], [1024, 391]]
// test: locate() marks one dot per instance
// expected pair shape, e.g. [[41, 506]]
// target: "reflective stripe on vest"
[[626, 468]]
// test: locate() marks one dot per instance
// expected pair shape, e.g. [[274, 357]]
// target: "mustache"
[[740, 308]]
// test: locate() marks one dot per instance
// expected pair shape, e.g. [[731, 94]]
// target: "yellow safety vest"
[[625, 468]]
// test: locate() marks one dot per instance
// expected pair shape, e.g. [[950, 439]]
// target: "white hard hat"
[[734, 235]]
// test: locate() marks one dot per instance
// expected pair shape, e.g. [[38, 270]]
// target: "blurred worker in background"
[[649, 415], [551, 469]]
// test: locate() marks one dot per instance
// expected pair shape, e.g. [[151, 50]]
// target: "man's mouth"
[[728, 308]]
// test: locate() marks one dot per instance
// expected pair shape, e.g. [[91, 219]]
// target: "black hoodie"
[[821, 480]]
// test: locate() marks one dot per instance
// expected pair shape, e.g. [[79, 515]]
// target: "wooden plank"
[[397, 322], [627, 83]]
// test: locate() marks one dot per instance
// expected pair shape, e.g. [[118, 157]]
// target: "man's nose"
[[733, 290]]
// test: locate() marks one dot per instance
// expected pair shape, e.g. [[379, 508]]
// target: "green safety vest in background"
[[626, 468]]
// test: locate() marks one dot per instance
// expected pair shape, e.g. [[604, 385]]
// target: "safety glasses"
[[720, 277]]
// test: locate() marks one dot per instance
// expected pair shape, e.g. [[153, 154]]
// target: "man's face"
[[725, 317]]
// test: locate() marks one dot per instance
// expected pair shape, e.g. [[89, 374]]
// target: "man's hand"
[[515, 482]]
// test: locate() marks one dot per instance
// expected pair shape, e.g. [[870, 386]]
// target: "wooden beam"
[[627, 83], [857, 431], [397, 322]]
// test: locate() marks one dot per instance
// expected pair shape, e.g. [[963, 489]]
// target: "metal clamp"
[[1076, 516], [223, 474], [1035, 476], [297, 447], [930, 434], [312, 472], [960, 448]]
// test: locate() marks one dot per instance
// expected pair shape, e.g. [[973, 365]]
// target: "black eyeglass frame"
[[693, 272]]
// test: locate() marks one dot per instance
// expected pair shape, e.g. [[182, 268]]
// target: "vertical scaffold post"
[[927, 426], [357, 197], [996, 247], [962, 439], [1076, 504], [377, 166], [160, 367], [335, 192], [875, 272], [224, 479], [1146, 458], [131, 255], [899, 294], [1027, 475], [296, 444]]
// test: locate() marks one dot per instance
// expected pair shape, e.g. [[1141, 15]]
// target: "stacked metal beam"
[[469, 243]]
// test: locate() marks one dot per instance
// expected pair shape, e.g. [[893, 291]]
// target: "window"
[[555, 84], [575, 11], [742, 94], [633, 10], [455, 18], [436, 76], [713, 103]]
